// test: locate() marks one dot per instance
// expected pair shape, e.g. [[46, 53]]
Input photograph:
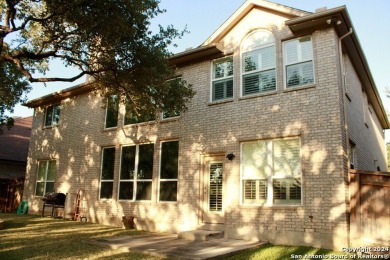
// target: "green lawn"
[[33, 237]]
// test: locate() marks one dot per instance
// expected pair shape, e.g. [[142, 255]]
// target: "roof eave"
[[60, 95], [198, 54], [318, 21]]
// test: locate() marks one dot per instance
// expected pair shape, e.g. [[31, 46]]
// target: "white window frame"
[[45, 181], [168, 180], [135, 179], [300, 61], [270, 177], [53, 122], [225, 78], [243, 73], [101, 173]]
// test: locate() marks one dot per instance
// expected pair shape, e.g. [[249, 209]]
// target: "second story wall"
[[365, 131]]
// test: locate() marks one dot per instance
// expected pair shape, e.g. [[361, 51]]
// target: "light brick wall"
[[313, 113], [363, 125]]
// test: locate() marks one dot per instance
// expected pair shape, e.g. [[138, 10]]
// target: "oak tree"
[[110, 41]]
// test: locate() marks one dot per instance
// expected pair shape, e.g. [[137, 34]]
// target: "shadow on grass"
[[33, 237]]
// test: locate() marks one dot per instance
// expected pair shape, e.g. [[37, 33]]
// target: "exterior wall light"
[[230, 156]]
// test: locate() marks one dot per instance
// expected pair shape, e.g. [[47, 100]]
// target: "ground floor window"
[[169, 164], [47, 171], [107, 173], [271, 171], [136, 173]]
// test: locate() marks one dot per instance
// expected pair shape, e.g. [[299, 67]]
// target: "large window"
[[107, 174], [271, 172], [47, 171], [222, 82], [135, 182], [169, 171], [112, 112], [52, 115], [258, 63], [132, 118], [298, 61]]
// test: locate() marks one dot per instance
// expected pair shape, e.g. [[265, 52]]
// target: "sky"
[[370, 19]]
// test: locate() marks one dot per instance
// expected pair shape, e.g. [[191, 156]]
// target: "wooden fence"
[[370, 208], [11, 192]]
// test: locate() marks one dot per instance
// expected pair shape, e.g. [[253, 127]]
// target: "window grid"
[[141, 188], [298, 62], [258, 63], [272, 174], [52, 115], [107, 173], [169, 170], [222, 79], [45, 183]]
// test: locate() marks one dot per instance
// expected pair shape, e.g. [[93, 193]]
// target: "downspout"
[[342, 71]]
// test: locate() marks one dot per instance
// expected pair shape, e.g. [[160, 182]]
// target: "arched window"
[[258, 63]]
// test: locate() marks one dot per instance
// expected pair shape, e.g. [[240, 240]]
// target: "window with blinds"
[[258, 63], [271, 171], [222, 81], [215, 189], [298, 61]]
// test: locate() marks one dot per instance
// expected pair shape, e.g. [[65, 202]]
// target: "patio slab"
[[170, 246]]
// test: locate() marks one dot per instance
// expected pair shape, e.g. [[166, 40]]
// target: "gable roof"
[[244, 9], [16, 140]]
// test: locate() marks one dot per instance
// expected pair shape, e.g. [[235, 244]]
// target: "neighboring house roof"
[[299, 22], [14, 142]]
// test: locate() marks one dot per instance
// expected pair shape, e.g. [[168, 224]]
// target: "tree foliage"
[[110, 41]]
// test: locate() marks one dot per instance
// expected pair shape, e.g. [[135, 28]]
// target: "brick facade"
[[313, 113]]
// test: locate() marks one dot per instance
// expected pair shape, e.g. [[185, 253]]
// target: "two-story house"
[[285, 105]]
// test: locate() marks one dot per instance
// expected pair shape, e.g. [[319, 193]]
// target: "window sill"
[[268, 93], [277, 206], [139, 124], [220, 102], [49, 127], [170, 119], [110, 129], [299, 88]]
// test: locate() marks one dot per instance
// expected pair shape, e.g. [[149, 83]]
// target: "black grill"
[[54, 198]]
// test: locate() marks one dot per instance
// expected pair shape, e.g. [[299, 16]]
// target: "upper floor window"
[[132, 118], [47, 171], [52, 115], [258, 63], [112, 112], [298, 62], [222, 81]]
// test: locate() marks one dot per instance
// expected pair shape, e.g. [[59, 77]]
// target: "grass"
[[33, 237], [271, 252]]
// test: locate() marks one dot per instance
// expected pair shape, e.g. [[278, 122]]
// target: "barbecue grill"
[[53, 200]]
